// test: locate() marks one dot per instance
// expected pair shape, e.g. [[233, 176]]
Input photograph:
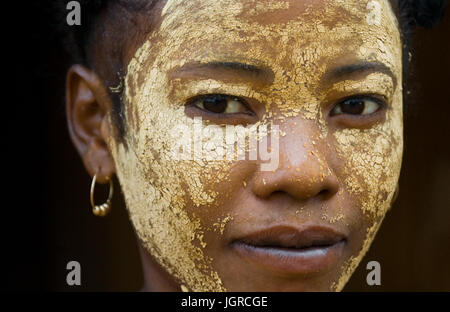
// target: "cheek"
[[164, 195], [373, 160], [161, 210]]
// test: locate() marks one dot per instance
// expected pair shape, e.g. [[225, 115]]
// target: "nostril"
[[324, 193]]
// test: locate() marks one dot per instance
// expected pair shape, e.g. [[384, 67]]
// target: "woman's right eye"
[[220, 104]]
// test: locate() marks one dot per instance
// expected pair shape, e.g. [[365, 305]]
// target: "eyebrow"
[[266, 76], [362, 68], [235, 66], [261, 74]]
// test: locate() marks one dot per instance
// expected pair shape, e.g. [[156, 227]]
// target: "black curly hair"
[[411, 13]]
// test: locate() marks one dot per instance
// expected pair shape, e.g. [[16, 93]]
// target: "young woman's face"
[[328, 75]]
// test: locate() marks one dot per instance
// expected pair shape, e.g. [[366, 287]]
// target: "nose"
[[303, 171]]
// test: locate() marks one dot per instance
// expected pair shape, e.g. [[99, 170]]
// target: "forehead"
[[286, 31], [263, 12], [293, 37]]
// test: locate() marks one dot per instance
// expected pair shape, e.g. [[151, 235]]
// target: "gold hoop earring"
[[103, 209]]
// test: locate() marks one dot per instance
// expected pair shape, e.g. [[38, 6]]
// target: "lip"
[[289, 250]]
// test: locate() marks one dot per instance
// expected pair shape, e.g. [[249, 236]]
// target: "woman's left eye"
[[220, 104], [357, 106]]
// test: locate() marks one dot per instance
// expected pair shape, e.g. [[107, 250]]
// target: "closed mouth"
[[289, 250]]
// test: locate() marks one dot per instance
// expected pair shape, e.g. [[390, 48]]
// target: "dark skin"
[[89, 105], [88, 102]]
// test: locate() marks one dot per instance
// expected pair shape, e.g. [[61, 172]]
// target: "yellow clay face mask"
[[177, 206]]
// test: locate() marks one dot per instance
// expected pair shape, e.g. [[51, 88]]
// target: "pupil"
[[355, 107], [215, 104]]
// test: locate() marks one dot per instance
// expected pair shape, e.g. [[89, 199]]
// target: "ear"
[[87, 107]]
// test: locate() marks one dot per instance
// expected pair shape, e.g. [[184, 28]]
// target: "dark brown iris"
[[215, 103], [353, 106]]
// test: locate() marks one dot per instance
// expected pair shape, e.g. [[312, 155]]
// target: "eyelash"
[[219, 97], [359, 98], [199, 103]]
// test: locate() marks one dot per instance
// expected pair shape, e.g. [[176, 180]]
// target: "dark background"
[[46, 216]]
